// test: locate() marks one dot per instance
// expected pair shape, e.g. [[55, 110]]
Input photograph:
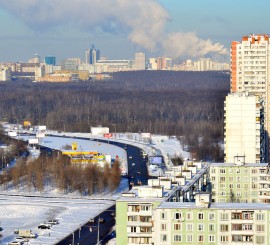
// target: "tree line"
[[46, 173], [185, 104]]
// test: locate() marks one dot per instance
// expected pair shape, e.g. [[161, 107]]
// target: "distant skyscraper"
[[94, 55], [50, 60], [140, 61], [87, 56]]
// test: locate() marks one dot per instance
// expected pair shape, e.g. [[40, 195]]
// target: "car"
[[52, 222], [130, 157], [44, 226], [20, 239], [101, 220], [112, 214], [133, 164], [15, 243], [92, 220], [1, 229]]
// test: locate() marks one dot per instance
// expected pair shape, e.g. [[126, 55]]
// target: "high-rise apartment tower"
[[250, 71]]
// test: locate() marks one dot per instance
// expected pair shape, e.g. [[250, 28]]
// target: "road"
[[137, 174], [88, 233]]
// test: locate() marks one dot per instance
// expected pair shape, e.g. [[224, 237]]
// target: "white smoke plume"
[[144, 22]]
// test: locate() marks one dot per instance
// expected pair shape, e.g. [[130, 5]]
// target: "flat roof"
[[222, 164]]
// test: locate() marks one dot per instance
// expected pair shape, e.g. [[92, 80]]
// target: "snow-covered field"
[[23, 210], [28, 212]]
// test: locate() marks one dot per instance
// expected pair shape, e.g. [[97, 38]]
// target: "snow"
[[27, 213], [26, 210]]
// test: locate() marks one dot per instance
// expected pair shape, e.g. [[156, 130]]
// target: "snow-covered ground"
[[27, 213], [20, 212], [24, 210]]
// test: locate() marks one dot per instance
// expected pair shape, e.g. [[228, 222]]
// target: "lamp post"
[[114, 130]]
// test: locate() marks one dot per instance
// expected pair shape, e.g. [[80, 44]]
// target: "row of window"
[[246, 215], [212, 238], [211, 227], [237, 171]]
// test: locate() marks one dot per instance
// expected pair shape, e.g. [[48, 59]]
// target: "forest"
[[188, 105]]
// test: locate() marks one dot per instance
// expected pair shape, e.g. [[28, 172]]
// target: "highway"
[[137, 175]]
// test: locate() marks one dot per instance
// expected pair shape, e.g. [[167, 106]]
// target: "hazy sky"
[[119, 28]]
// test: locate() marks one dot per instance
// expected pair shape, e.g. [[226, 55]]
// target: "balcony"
[[140, 224], [141, 234]]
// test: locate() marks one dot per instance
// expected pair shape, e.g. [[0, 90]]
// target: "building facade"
[[140, 61], [250, 70], [244, 128], [240, 183]]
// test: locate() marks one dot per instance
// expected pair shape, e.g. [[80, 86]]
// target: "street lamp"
[[114, 130]]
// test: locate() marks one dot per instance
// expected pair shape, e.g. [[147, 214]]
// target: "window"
[[190, 216], [222, 179], [231, 186], [211, 227], [145, 208], [224, 228], [163, 227], [200, 227], [163, 238], [211, 216], [260, 217], [177, 238], [163, 215], [213, 178], [211, 238], [230, 179], [133, 229], [260, 228], [260, 239], [222, 185], [247, 227], [189, 227], [224, 238], [200, 238], [177, 215], [213, 170], [200, 215], [247, 215], [177, 227], [224, 216], [222, 171], [189, 238]]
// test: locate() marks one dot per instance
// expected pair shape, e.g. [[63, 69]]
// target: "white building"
[[244, 135], [250, 69]]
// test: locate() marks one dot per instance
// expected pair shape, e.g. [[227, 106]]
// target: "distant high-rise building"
[[87, 56], [153, 63], [94, 55], [140, 61], [35, 60], [50, 60], [250, 69]]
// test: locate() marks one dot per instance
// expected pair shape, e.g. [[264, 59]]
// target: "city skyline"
[[121, 28]]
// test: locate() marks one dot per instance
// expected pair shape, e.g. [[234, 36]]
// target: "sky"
[[174, 28]]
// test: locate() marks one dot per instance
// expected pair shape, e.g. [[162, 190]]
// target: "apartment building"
[[244, 132], [134, 212], [240, 183], [250, 70], [203, 222]]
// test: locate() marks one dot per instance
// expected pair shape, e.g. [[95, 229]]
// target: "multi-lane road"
[[90, 233]]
